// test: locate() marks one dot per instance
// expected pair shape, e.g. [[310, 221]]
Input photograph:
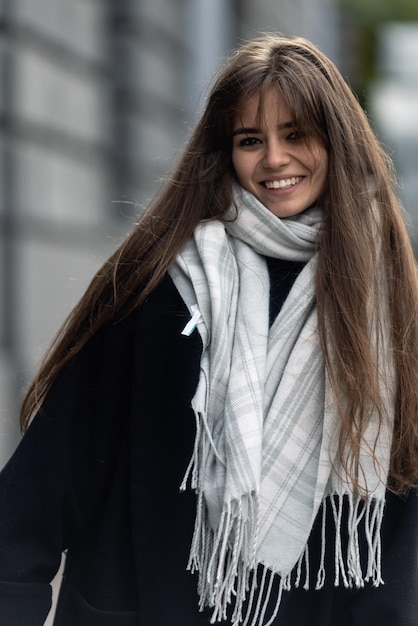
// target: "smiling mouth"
[[282, 184]]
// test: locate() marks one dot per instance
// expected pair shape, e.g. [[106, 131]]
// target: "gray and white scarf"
[[265, 456]]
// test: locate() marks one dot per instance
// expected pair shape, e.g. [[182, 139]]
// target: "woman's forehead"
[[260, 107]]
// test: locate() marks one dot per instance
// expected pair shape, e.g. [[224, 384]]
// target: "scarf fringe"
[[226, 558], [229, 575]]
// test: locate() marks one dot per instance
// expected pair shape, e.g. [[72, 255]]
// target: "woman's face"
[[273, 162]]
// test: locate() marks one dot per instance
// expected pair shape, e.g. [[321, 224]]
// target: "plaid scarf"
[[265, 456]]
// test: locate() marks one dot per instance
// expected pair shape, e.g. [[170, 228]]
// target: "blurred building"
[[394, 108], [97, 98]]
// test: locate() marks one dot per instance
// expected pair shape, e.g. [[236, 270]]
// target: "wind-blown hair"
[[363, 238]]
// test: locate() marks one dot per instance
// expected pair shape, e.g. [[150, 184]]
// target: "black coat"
[[98, 475]]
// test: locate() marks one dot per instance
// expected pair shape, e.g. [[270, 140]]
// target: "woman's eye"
[[248, 141], [295, 135]]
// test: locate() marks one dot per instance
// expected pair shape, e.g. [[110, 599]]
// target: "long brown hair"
[[363, 231]]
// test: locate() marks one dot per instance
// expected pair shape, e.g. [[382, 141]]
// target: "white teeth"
[[281, 184]]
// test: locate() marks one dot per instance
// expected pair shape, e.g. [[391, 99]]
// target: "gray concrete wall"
[[54, 198]]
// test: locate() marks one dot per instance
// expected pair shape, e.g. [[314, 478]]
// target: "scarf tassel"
[[225, 559], [364, 517]]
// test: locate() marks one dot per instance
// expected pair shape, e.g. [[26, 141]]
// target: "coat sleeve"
[[55, 480]]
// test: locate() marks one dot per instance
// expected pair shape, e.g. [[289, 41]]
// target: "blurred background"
[[97, 99]]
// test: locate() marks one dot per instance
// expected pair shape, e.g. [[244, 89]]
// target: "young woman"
[[236, 394]]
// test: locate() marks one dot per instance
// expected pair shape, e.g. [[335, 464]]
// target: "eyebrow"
[[256, 131]]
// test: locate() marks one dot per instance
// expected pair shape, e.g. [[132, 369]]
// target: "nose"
[[275, 155]]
